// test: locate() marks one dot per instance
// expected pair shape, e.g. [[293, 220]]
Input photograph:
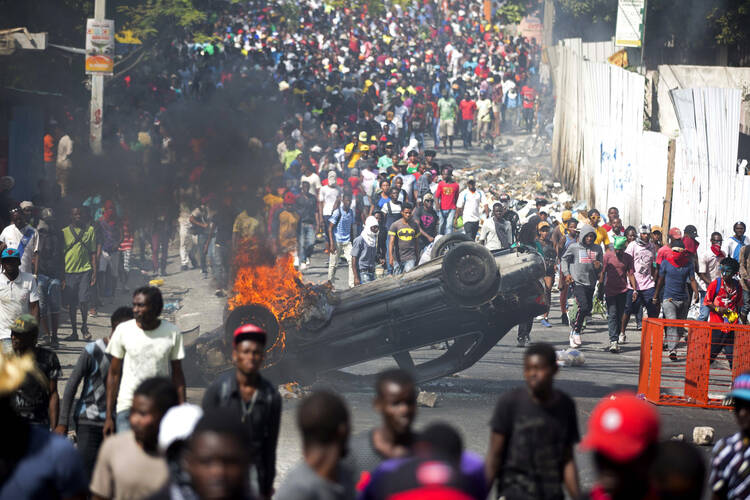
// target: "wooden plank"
[[666, 215]]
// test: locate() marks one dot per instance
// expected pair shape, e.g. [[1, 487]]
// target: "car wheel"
[[470, 274], [257, 315], [447, 242]]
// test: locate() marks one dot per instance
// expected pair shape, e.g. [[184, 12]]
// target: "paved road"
[[465, 399]]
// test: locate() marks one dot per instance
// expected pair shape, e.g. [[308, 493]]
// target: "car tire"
[[447, 242], [255, 314], [470, 274]]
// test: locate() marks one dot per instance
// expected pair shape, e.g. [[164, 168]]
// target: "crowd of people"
[[138, 438]]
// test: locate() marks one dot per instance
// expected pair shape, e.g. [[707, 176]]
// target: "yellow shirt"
[[601, 236], [245, 226], [354, 157]]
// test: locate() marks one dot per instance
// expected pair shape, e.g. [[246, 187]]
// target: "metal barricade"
[[706, 362]]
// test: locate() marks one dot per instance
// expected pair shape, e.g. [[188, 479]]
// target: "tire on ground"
[[470, 274], [447, 242]]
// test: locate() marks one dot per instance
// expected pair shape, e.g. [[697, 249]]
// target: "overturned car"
[[465, 295]]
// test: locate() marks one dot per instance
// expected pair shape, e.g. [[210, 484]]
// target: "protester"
[[617, 272], [728, 479], [80, 270], [24, 238], [623, 433], [403, 246], [733, 245], [20, 295], [324, 425], [340, 236], [581, 264], [533, 431], [396, 402], [254, 401], [51, 273], [674, 272], [129, 464], [447, 196], [724, 302], [143, 347], [35, 462], [364, 252], [472, 204], [546, 249], [497, 232], [645, 272], [679, 471], [90, 411], [439, 468]]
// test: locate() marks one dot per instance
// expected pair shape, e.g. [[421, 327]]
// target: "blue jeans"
[[306, 240], [446, 220], [703, 316], [122, 421], [366, 276], [404, 267]]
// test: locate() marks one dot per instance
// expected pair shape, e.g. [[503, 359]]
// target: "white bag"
[[694, 312]]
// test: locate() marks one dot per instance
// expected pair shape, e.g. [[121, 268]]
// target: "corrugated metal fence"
[[604, 156]]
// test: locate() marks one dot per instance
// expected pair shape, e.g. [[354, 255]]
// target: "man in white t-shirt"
[[311, 178], [141, 348], [24, 238], [484, 117], [18, 294], [328, 196], [471, 204]]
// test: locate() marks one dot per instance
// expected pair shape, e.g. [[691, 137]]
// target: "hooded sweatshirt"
[[578, 259]]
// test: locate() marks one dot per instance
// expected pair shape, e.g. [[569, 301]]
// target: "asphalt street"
[[465, 400]]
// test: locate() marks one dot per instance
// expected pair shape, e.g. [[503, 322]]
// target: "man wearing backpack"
[[254, 400], [79, 245]]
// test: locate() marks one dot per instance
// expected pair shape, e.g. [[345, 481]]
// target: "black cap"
[[691, 230]]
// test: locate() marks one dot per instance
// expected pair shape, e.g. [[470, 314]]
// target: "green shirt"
[[78, 250], [447, 108], [290, 156]]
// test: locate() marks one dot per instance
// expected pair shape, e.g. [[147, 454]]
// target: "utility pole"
[[96, 116]]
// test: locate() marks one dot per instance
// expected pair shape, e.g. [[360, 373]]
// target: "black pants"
[[615, 311], [471, 229], [722, 340], [585, 297], [89, 440]]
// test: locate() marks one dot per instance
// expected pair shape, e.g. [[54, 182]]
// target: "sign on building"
[[631, 15], [100, 46]]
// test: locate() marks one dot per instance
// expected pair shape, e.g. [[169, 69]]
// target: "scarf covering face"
[[716, 249], [371, 239]]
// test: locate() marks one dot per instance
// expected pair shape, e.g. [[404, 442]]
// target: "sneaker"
[[613, 347], [545, 323], [302, 266], [85, 333], [71, 338], [673, 355], [307, 261], [622, 338], [639, 326], [577, 339], [564, 319], [521, 342]]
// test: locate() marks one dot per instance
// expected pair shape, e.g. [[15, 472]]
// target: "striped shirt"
[[730, 467], [92, 367]]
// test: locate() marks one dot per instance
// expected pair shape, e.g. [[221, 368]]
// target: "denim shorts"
[[50, 294]]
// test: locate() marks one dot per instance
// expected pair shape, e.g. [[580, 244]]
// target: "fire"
[[267, 281]]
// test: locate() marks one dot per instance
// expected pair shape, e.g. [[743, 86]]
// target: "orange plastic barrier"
[[694, 379]]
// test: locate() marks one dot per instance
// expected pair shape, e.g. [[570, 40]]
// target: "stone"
[[677, 437], [428, 399], [703, 436]]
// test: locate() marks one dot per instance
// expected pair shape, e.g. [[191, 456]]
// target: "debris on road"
[[570, 357], [292, 390], [703, 436], [427, 399]]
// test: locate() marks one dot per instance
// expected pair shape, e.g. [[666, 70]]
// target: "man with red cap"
[[255, 401], [623, 433]]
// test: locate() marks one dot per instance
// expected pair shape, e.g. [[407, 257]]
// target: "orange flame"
[[267, 281]]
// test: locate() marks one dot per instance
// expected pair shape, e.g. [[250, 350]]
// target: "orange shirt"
[[49, 147]]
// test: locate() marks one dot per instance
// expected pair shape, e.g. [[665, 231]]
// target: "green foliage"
[[730, 22], [511, 12], [160, 17]]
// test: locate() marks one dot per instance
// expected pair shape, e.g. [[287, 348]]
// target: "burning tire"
[[447, 242], [257, 315], [470, 274]]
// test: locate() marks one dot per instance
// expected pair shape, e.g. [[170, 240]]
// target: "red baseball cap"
[[675, 233], [621, 427], [249, 332]]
